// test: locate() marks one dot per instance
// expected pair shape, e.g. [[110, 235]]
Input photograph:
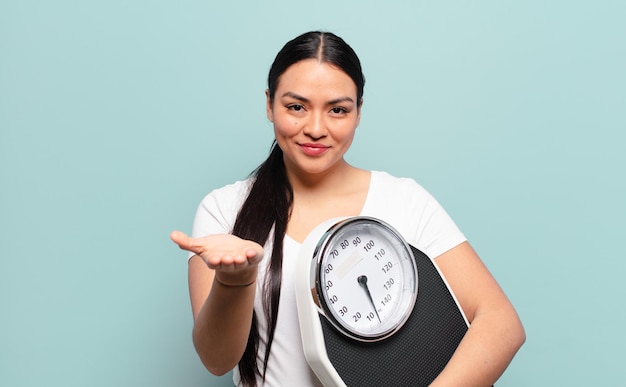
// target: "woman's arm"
[[495, 333], [222, 283]]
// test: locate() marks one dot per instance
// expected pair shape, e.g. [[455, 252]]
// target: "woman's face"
[[315, 114]]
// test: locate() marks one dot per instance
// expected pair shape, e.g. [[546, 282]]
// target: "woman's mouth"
[[313, 149]]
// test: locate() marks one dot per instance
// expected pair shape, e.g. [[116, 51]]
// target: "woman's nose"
[[315, 127]]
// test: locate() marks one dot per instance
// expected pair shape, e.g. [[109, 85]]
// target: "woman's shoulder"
[[237, 187], [394, 185], [398, 195], [414, 212], [218, 210], [230, 195]]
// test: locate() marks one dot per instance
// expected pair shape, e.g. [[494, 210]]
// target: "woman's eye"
[[295, 108], [338, 110]]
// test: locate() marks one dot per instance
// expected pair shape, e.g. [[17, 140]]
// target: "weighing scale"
[[373, 310]]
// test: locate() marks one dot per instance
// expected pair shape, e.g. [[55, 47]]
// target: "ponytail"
[[266, 208]]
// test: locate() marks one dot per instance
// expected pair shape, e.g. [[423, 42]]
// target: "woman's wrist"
[[231, 285], [239, 279]]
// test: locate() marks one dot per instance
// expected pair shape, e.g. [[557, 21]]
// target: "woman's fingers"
[[221, 252], [185, 242]]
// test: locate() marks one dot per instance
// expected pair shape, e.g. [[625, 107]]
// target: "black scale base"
[[414, 355]]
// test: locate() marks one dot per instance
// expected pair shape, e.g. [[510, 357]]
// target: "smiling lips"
[[314, 149]]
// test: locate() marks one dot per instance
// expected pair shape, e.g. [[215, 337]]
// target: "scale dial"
[[365, 278]]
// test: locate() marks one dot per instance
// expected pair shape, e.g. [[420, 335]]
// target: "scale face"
[[362, 321], [365, 279]]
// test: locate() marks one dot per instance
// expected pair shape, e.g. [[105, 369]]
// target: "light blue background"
[[117, 117]]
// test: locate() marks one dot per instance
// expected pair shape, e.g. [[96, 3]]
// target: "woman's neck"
[[318, 183], [316, 198]]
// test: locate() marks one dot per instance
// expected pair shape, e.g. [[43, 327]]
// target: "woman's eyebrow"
[[306, 100], [295, 96], [340, 100]]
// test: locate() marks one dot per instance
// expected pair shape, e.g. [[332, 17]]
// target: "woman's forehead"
[[314, 77]]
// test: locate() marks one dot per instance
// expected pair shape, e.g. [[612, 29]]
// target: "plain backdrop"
[[117, 117]]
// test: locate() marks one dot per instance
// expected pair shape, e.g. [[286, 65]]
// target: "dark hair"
[[268, 205], [323, 46]]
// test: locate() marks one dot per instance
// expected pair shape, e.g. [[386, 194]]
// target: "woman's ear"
[[358, 113], [268, 106]]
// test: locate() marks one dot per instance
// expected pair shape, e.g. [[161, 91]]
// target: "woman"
[[246, 235]]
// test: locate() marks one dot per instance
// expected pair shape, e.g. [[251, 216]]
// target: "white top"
[[400, 202]]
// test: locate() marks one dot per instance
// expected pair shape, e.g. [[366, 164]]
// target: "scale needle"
[[362, 280]]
